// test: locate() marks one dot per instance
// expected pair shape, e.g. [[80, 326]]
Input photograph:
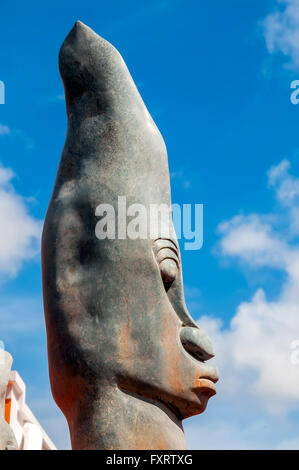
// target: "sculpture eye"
[[166, 253]]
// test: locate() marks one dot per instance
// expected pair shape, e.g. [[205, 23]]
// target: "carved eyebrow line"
[[170, 258], [167, 253], [157, 251], [175, 255], [176, 248]]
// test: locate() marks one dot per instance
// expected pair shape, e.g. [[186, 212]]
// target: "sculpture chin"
[[202, 392], [205, 390], [183, 397]]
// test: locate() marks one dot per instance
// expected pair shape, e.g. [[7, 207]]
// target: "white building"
[[28, 432]]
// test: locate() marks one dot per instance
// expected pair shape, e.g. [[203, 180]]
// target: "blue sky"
[[216, 78]]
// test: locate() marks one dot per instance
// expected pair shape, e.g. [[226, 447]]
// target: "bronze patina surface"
[[127, 362]]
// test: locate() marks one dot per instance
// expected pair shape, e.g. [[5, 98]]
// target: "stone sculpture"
[[7, 438], [127, 362]]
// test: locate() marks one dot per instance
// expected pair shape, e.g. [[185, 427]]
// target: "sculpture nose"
[[197, 343]]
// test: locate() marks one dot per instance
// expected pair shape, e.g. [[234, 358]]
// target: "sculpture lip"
[[207, 381], [206, 384], [211, 378]]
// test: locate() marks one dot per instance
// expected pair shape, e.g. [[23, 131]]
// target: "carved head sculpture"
[[127, 362], [7, 438]]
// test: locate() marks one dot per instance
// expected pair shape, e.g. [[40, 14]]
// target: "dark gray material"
[[115, 309]]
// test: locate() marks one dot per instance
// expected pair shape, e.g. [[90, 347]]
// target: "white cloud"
[[20, 233], [285, 185], [251, 240], [281, 30], [289, 444], [4, 130], [259, 385], [257, 343]]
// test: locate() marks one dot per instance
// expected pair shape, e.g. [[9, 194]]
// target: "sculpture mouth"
[[205, 383], [206, 386], [213, 377], [196, 342], [209, 380]]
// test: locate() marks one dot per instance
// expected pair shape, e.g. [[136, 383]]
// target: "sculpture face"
[[115, 310]]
